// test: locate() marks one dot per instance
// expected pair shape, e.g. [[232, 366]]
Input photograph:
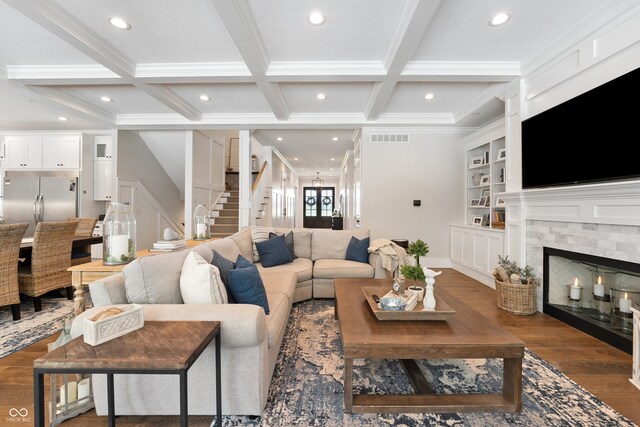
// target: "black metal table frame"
[[38, 385]]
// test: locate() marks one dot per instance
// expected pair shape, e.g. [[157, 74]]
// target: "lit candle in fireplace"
[[598, 288], [575, 290], [625, 304]]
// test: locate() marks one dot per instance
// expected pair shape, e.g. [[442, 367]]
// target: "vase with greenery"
[[417, 249]]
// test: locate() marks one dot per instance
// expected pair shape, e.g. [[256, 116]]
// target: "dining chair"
[[85, 229], [50, 259], [10, 239]]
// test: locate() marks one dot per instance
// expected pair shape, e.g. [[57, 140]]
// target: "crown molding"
[[416, 119], [193, 69], [494, 90], [62, 74], [433, 130], [463, 70]]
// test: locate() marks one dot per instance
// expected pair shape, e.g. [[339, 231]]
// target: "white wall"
[[428, 168]]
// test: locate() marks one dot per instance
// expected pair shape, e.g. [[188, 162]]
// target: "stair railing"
[[257, 180]]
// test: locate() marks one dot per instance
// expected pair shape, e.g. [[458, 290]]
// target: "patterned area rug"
[[306, 389], [32, 327]]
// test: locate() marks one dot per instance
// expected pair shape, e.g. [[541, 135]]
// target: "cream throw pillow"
[[259, 234], [200, 282]]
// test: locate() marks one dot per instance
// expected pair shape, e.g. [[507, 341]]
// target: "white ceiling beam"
[[53, 17], [495, 90], [242, 28], [414, 20], [72, 104]]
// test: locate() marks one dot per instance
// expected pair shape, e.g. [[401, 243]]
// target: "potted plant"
[[417, 249]]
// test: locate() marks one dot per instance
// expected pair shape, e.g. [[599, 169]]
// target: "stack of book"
[[169, 245]]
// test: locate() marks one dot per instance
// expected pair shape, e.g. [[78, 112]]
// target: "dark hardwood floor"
[[596, 366]]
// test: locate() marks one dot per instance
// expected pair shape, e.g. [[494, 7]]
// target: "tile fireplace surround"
[[602, 220]]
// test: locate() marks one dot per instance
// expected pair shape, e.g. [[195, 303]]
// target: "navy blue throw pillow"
[[288, 239], [358, 250], [246, 285], [224, 265], [273, 252]]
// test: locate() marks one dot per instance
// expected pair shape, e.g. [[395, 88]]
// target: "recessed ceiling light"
[[295, 158], [105, 99], [333, 160], [62, 119], [119, 23], [499, 19], [475, 114], [429, 96], [279, 138], [204, 98], [321, 96], [335, 138], [316, 18]]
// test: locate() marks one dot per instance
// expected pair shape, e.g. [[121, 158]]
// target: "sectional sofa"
[[250, 338]]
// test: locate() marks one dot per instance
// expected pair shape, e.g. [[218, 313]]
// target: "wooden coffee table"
[[466, 335], [157, 348]]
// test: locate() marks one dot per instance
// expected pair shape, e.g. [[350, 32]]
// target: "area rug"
[[32, 327], [306, 389]]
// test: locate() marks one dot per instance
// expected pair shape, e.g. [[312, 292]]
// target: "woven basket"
[[516, 299]]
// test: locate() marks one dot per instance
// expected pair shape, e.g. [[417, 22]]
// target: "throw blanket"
[[391, 255]]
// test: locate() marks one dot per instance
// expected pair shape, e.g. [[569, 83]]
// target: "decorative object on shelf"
[[485, 179], [477, 220], [318, 183], [574, 296], [600, 302], [515, 287], [429, 301], [475, 202], [502, 154], [417, 290], [622, 299], [475, 179], [201, 225], [476, 161], [170, 234], [119, 239]]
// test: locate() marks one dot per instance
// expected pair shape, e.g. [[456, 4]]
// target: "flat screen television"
[[588, 139]]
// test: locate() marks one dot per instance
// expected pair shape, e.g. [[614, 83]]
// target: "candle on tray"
[[625, 304], [575, 291], [598, 288]]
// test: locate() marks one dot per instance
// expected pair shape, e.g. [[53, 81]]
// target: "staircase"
[[224, 216]]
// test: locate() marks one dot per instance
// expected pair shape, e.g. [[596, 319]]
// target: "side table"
[[157, 348]]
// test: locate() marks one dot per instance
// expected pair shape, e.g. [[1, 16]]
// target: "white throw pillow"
[[200, 282], [259, 234]]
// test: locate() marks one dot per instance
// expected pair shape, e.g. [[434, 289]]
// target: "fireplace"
[[592, 293]]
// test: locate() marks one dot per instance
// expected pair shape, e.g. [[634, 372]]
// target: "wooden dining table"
[[83, 274], [79, 243]]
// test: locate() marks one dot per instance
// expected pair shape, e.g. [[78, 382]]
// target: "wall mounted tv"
[[588, 139]]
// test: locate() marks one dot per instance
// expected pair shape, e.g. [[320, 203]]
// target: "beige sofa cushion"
[[332, 244], [334, 268], [301, 240], [225, 247], [278, 282], [155, 279], [243, 240], [279, 307], [303, 267]]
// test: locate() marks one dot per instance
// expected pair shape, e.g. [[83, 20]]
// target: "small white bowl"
[[392, 304]]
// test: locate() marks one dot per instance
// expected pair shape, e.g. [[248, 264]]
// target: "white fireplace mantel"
[[606, 203]]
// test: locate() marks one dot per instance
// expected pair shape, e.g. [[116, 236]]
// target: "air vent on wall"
[[390, 137]]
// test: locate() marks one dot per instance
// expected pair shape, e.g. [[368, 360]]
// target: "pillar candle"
[[598, 288], [72, 389], [119, 245], [84, 388], [200, 229], [575, 290], [625, 304]]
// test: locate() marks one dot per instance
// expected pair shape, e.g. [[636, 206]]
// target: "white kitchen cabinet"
[[23, 152], [102, 180], [102, 148], [61, 152]]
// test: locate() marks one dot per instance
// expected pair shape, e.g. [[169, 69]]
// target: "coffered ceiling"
[[262, 64]]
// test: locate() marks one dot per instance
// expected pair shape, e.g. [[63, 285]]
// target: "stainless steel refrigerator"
[[39, 196]]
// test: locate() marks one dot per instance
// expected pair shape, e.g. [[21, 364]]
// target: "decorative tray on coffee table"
[[442, 312]]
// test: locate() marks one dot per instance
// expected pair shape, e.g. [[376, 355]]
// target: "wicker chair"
[[85, 229], [50, 259], [10, 238]]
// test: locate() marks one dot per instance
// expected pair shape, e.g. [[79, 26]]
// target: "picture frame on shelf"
[[476, 161], [485, 192], [485, 179], [500, 201], [484, 201], [502, 154], [475, 202], [477, 220]]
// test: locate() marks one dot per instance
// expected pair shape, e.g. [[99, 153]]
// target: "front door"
[[318, 207]]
